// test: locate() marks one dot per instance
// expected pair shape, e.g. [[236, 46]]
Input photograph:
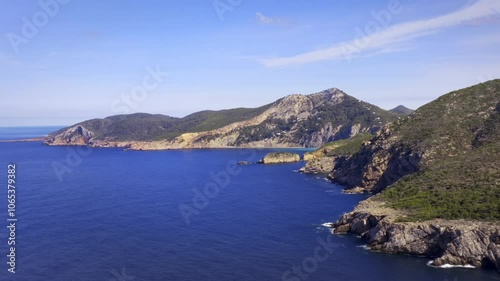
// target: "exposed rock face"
[[318, 165], [309, 156], [280, 157], [293, 121], [324, 159], [322, 136], [379, 163], [76, 135], [448, 127], [458, 243]]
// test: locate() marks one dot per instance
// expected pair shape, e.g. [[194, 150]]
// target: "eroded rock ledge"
[[457, 243]]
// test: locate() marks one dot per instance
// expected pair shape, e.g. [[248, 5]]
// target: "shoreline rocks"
[[456, 243]]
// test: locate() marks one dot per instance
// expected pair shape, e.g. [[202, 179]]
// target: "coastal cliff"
[[446, 242], [436, 179], [293, 121], [456, 126]]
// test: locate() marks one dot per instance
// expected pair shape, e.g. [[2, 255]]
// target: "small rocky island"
[[280, 157]]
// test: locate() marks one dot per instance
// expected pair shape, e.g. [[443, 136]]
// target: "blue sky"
[[87, 59]]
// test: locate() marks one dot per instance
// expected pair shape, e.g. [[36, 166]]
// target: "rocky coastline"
[[447, 243], [461, 243]]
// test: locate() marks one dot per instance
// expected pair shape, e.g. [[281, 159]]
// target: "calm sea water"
[[108, 214], [17, 133]]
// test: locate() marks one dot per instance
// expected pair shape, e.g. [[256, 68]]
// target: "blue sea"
[[19, 133], [186, 215]]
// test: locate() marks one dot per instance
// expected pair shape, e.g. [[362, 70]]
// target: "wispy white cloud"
[[264, 19], [390, 37]]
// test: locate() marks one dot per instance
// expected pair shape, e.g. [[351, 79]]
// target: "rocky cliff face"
[[76, 135], [458, 243], [293, 121], [319, 165], [445, 128], [380, 162], [324, 159]]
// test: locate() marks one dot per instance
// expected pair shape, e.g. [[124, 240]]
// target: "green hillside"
[[295, 120], [457, 139], [143, 126], [462, 184]]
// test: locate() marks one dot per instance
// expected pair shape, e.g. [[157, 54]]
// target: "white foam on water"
[[328, 224], [446, 265], [364, 247]]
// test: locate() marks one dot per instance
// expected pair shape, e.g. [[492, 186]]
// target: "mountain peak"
[[296, 120], [402, 110]]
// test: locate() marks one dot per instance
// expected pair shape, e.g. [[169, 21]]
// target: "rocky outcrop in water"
[[280, 157], [457, 242]]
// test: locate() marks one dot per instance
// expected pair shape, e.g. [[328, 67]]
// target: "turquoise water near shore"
[[109, 214]]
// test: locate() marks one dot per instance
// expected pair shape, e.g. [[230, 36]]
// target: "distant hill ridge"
[[401, 109], [293, 121]]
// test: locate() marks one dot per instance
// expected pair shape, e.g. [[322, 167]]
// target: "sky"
[[65, 61]]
